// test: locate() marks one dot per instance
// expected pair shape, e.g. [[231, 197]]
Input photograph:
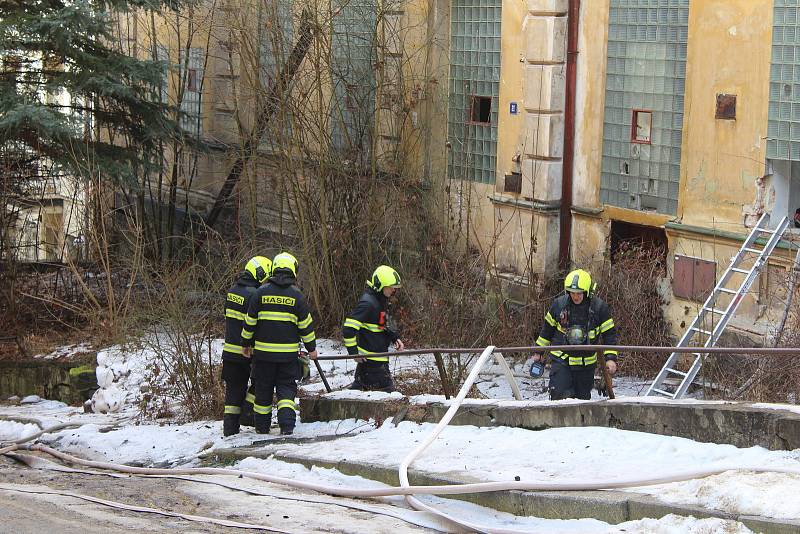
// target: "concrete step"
[[610, 506]]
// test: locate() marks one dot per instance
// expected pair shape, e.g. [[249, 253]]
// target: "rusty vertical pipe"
[[565, 215]]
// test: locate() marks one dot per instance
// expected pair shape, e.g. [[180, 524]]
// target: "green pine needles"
[[70, 97]]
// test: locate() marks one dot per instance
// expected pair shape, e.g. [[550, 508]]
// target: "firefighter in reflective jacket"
[[365, 332], [278, 318], [235, 366], [577, 317]]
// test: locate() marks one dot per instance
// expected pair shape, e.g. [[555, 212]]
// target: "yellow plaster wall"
[[729, 51], [590, 104], [510, 127]]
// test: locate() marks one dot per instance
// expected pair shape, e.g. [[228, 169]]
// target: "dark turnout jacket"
[[592, 315], [237, 300], [365, 330], [278, 318]]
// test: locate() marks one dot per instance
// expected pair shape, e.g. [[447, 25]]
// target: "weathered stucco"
[[729, 50]]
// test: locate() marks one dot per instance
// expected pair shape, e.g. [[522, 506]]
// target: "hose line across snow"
[[405, 488]]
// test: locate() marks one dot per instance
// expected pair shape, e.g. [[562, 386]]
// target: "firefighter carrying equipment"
[[365, 330], [537, 369], [588, 322], [305, 371]]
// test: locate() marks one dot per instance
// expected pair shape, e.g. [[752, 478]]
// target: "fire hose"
[[405, 488]]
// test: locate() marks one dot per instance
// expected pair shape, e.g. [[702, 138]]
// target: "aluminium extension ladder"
[[714, 316]]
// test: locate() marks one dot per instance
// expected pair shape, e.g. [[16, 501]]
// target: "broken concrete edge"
[[611, 506], [740, 424]]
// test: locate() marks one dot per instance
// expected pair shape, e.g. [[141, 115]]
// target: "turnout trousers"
[[570, 381], [373, 376], [278, 379], [238, 400]]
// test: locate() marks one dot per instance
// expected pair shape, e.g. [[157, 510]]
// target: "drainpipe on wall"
[[565, 219]]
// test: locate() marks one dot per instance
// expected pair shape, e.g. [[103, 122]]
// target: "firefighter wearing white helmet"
[[278, 320], [365, 331], [235, 366], [578, 317]]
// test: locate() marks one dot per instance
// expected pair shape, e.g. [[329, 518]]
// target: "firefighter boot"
[[230, 424], [263, 422]]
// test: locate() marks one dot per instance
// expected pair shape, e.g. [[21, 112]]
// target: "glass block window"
[[643, 120], [192, 121], [353, 49], [474, 89], [783, 133]]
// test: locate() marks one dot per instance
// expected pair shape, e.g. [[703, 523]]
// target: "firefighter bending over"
[[365, 332], [235, 366], [578, 317], [278, 318]]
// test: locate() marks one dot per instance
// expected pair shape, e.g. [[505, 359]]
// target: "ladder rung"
[[765, 231], [726, 290], [667, 393], [753, 250], [713, 310], [701, 330], [743, 271], [676, 372]]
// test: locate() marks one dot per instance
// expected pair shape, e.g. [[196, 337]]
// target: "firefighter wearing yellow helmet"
[[578, 317], [278, 320], [235, 366], [365, 331]]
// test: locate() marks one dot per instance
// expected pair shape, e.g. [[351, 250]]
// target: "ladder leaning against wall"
[[715, 313]]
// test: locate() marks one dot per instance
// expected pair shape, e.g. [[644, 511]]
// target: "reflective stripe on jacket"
[[236, 301], [278, 319], [364, 330], [600, 331]]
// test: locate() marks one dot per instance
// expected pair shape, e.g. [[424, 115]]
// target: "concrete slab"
[[739, 424], [613, 507]]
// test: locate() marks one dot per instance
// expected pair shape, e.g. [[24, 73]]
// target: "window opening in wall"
[[627, 238], [726, 107], [641, 126], [481, 109]]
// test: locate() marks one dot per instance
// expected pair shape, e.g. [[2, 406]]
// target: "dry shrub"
[[630, 286], [180, 316], [418, 382], [757, 378]]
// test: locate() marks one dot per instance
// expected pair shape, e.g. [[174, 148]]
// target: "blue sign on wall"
[[513, 108]]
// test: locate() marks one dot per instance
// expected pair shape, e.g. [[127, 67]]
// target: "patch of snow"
[[30, 399], [364, 395], [66, 351], [12, 430]]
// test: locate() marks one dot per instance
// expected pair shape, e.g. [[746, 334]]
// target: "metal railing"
[[447, 387]]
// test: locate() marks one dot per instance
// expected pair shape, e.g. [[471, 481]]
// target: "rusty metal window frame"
[[635, 126]]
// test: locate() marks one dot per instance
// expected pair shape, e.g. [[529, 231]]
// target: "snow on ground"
[[478, 514], [464, 453], [580, 455], [66, 352], [491, 382], [12, 430]]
